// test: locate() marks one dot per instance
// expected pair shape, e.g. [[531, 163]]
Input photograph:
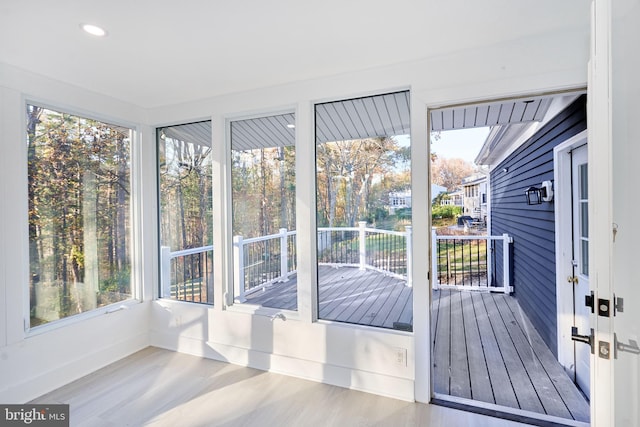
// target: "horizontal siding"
[[533, 227]]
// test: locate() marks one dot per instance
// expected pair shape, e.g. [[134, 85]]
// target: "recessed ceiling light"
[[291, 125], [94, 30]]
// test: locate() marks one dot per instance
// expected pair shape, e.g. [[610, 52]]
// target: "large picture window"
[[186, 212], [79, 184], [363, 182], [264, 221]]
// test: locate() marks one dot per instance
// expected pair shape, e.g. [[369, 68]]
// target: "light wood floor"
[[157, 387], [348, 294], [487, 350]]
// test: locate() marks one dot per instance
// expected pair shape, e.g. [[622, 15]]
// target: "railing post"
[[165, 271], [409, 243], [505, 263], [489, 260], [434, 259], [238, 270], [363, 244], [284, 256]]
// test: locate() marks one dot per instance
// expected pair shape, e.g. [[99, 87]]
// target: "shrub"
[[447, 211]]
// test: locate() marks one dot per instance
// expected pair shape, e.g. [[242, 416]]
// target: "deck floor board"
[[347, 294], [522, 371]]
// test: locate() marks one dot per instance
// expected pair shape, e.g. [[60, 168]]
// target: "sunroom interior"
[[434, 55]]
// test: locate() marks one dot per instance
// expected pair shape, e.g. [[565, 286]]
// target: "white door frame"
[[600, 153], [564, 247]]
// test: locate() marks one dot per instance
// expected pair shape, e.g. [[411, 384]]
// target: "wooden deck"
[[486, 349], [351, 295]]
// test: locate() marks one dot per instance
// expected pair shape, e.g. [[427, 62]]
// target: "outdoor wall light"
[[537, 195]]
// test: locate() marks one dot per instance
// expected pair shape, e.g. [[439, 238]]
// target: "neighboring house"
[[399, 200], [520, 157], [474, 189], [402, 199], [455, 198]]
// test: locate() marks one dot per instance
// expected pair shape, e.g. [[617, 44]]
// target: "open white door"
[[625, 94], [580, 264], [572, 257], [614, 159]]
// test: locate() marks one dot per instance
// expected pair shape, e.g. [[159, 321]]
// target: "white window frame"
[[135, 215]]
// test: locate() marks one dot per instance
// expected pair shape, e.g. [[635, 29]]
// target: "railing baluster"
[[193, 297]]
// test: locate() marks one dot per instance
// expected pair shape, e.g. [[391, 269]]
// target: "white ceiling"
[[161, 52]]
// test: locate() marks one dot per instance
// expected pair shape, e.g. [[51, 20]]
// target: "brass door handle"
[[572, 279]]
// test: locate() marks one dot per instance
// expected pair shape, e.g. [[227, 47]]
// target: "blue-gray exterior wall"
[[533, 273]]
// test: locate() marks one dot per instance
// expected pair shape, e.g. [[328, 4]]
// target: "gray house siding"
[[532, 226]]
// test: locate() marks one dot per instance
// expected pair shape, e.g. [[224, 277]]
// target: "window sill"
[[257, 310], [81, 317]]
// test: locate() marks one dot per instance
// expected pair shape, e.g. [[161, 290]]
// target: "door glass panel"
[[584, 184], [584, 220], [584, 249]]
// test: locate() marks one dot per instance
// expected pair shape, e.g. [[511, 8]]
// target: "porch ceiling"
[[524, 110], [368, 117], [263, 132], [198, 133]]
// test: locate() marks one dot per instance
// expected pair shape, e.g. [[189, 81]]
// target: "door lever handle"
[[587, 339]]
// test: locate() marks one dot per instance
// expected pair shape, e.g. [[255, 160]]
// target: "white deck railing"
[[466, 262], [340, 246], [262, 261], [194, 275]]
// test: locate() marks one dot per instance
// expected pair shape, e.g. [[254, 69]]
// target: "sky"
[[464, 143]]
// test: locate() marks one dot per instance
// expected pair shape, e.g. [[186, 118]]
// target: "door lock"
[[587, 339]]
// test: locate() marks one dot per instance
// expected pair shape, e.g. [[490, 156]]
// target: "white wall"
[[32, 363], [351, 356]]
